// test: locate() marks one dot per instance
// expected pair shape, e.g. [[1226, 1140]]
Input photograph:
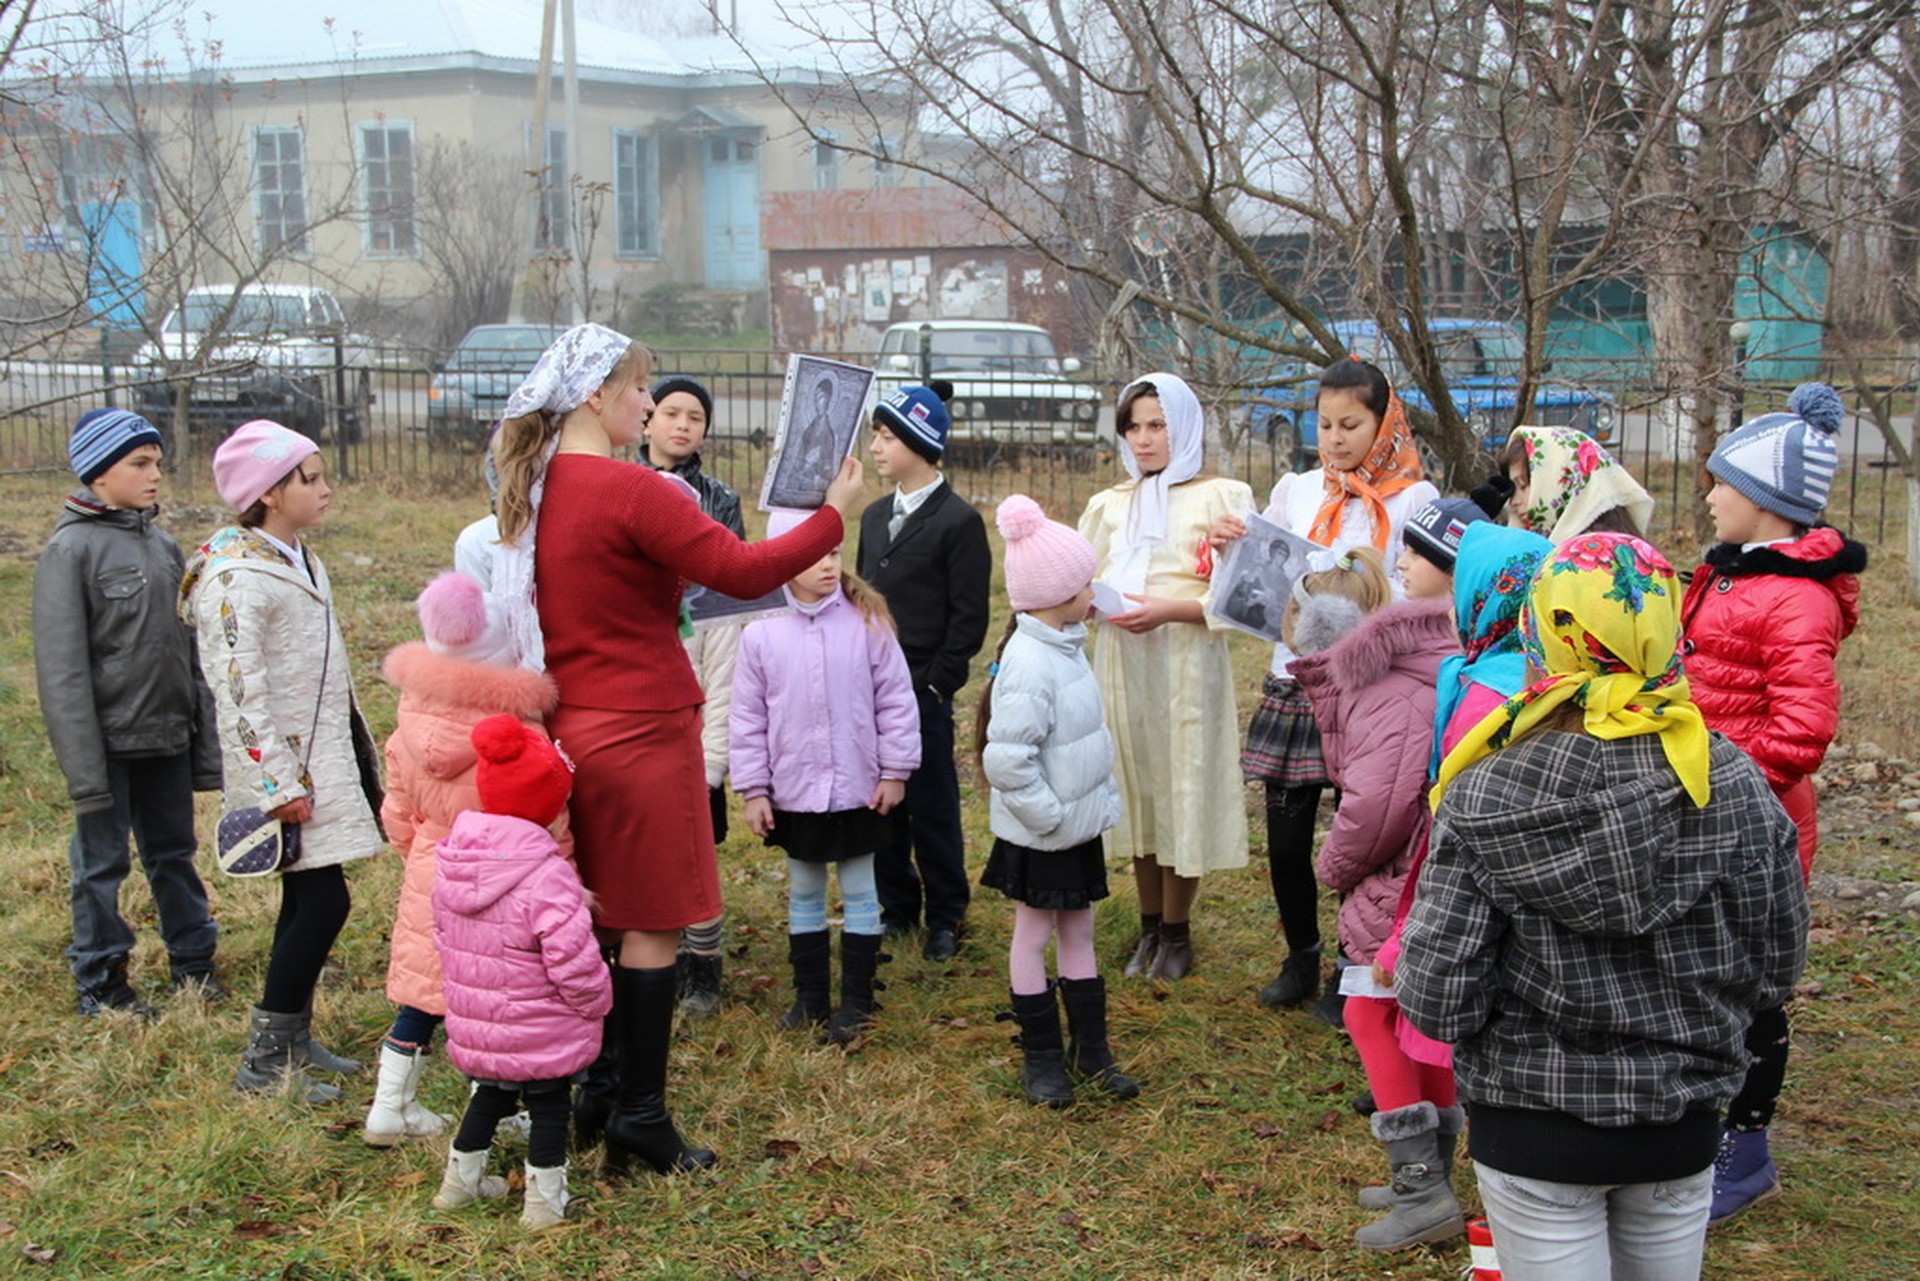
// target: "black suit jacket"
[[936, 577]]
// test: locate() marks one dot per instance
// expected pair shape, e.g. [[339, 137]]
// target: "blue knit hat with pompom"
[[1784, 463]]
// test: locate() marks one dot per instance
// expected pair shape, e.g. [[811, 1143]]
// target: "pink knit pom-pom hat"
[[1047, 563]]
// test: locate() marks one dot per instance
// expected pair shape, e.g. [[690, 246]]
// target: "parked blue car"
[[1481, 359]]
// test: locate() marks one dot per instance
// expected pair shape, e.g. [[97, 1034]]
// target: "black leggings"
[[313, 907], [548, 1104], [1291, 812], [1768, 1040]]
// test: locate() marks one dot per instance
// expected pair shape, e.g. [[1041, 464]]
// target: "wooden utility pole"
[[542, 86]]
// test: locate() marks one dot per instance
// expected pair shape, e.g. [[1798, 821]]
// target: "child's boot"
[[1424, 1209], [466, 1180], [1088, 1053], [860, 958], [1453, 1120], [396, 1113], [1743, 1174], [310, 1053], [1044, 1073], [700, 983], [268, 1064], [811, 955], [546, 1197]]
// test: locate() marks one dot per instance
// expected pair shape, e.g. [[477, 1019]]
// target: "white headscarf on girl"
[[1145, 525], [568, 372]]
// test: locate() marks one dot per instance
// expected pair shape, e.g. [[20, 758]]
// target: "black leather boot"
[[811, 955], [1088, 1053], [1044, 1073], [640, 1124], [860, 958], [593, 1097]]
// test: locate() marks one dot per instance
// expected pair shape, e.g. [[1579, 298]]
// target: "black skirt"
[[828, 838], [1051, 880]]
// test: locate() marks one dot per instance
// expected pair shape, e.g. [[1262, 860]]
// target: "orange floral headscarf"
[[1391, 465]]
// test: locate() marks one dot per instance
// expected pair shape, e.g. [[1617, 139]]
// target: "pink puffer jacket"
[[430, 781], [525, 982], [1373, 695]]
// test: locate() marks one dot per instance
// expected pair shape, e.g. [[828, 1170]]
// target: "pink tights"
[[1396, 1080], [1027, 958]]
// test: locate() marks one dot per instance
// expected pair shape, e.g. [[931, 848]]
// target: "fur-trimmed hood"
[[445, 695], [1413, 633]]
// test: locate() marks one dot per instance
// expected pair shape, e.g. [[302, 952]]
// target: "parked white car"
[[1010, 387], [261, 351]]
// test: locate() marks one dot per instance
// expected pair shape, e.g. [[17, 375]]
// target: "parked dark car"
[[1481, 360], [469, 391]]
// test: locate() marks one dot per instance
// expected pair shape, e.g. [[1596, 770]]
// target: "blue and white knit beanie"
[[103, 437], [1784, 463], [918, 416]]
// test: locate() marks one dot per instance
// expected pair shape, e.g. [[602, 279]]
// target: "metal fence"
[[403, 436]]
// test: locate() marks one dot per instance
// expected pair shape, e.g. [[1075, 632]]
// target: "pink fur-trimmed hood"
[[1420, 630], [486, 688]]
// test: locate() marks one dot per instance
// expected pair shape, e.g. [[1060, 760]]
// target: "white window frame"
[[557, 196], [826, 161], [403, 225], [301, 243], [645, 202]]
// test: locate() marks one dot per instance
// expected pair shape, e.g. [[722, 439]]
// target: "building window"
[[280, 188], [386, 188], [826, 163], [553, 213], [636, 195], [885, 172]]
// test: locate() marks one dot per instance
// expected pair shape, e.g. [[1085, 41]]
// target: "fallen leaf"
[[256, 1229], [762, 983], [1328, 1122], [39, 1253], [825, 1165], [1267, 1130], [1211, 1179], [1301, 1241], [1865, 980], [1068, 1219], [411, 1179], [779, 1148]]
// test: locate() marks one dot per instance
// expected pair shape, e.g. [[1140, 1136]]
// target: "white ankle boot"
[[546, 1197], [467, 1181], [396, 1114]]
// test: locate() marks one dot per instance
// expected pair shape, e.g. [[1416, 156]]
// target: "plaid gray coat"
[[1592, 943]]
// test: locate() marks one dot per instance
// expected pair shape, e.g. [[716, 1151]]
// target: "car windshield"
[[1492, 352], [254, 315], [509, 349], [996, 351]]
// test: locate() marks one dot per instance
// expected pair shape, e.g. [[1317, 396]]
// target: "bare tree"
[[472, 218]]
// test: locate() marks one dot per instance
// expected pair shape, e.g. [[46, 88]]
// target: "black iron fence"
[[398, 421]]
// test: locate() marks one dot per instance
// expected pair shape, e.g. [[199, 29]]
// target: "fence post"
[[340, 406]]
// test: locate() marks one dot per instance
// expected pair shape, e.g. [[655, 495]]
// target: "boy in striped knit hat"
[[129, 714], [1764, 619]]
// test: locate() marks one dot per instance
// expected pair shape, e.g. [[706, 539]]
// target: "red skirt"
[[642, 830]]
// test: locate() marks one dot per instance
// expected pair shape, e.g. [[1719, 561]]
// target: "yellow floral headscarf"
[[1602, 620]]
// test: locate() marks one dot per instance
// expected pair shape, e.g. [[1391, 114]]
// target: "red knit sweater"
[[615, 544]]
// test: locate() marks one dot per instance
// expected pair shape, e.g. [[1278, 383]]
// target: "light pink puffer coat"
[[430, 781], [525, 982]]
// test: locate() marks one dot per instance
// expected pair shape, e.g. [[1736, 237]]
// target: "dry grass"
[[123, 1151]]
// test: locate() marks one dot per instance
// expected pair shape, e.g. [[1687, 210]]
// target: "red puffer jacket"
[[1762, 629]]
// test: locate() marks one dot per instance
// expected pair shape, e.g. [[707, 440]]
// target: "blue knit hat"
[[1784, 463], [918, 416], [103, 437]]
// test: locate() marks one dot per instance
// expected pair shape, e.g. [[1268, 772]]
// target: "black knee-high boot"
[[860, 958], [640, 1124], [593, 1097], [1087, 1050], [812, 957]]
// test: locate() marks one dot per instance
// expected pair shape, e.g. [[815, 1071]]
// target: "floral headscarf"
[[1603, 623], [1575, 481], [1491, 578], [1391, 465], [568, 371], [1145, 525]]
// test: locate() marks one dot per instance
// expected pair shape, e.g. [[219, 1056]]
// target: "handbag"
[[250, 841]]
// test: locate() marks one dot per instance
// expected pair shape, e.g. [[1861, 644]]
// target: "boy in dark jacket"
[[129, 714], [1764, 620], [925, 549]]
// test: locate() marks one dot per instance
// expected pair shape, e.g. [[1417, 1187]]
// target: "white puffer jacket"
[[263, 628], [1049, 756]]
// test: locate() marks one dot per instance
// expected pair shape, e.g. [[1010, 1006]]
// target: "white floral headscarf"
[[1145, 524], [568, 372]]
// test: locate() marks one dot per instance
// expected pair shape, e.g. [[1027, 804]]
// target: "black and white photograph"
[[1253, 580], [708, 608], [821, 409]]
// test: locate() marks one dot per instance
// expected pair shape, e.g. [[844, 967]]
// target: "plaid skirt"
[[1283, 739]]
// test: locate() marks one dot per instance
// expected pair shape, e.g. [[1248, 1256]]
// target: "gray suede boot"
[[1424, 1209], [1453, 1121], [268, 1062], [310, 1053]]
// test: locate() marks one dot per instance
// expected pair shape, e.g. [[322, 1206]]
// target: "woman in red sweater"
[[593, 558]]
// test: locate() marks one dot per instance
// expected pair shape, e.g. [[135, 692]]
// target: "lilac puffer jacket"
[[1373, 695], [525, 983]]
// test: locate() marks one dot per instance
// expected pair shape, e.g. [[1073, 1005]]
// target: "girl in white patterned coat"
[[274, 657], [1045, 750]]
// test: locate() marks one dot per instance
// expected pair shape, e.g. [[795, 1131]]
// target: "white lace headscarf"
[[568, 372], [1145, 525]]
